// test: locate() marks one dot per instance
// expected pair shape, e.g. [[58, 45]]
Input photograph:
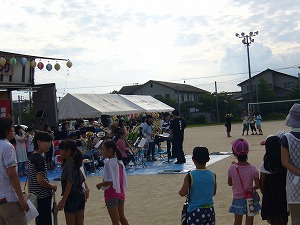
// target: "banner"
[[4, 107]]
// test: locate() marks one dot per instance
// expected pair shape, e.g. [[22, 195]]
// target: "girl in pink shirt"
[[241, 176], [114, 183]]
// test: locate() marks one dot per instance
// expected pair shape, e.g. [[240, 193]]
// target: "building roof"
[[128, 90], [265, 71], [181, 87]]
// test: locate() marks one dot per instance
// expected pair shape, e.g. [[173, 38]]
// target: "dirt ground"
[[154, 199]]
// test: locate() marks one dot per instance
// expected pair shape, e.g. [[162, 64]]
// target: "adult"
[[30, 146], [166, 129], [177, 127], [12, 202], [49, 154], [38, 182], [127, 156], [21, 138], [290, 157], [149, 135]]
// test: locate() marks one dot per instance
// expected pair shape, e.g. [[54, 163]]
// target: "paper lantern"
[[69, 64], [57, 66], [23, 61], [33, 63], [2, 61], [13, 61], [49, 67], [40, 65]]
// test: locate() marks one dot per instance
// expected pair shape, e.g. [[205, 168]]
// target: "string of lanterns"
[[33, 64]]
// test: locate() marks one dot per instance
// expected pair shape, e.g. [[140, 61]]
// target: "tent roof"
[[148, 103], [74, 106]]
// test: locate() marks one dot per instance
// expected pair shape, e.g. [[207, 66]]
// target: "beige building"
[[179, 92]]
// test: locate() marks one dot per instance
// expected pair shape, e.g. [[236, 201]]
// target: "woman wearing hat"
[[290, 157]]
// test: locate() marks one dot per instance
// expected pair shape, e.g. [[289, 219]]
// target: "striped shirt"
[[37, 164]]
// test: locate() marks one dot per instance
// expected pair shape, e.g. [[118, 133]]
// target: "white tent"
[[148, 103], [74, 106], [94, 105]]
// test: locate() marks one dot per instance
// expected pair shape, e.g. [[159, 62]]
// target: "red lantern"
[[40, 65]]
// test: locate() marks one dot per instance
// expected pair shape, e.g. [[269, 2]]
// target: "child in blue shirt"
[[200, 185]]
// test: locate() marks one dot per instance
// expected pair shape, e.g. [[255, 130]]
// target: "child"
[[228, 117], [245, 118], [241, 176], [114, 183], [72, 179], [38, 182], [201, 185], [258, 123], [272, 184]]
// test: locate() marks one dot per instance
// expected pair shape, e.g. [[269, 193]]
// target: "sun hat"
[[240, 147], [293, 118]]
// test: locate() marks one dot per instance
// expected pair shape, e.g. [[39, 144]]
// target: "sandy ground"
[[154, 199]]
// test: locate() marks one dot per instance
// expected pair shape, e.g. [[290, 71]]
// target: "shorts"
[[239, 207], [258, 126], [111, 203], [11, 213], [75, 202], [202, 216]]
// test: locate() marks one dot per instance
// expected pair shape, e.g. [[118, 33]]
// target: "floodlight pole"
[[247, 40]]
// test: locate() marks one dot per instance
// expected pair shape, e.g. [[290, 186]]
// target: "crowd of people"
[[278, 180]]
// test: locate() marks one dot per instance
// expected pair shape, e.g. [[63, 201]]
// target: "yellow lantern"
[[69, 64], [57, 66], [2, 61], [33, 63]]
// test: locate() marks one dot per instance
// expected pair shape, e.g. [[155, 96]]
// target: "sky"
[[115, 43]]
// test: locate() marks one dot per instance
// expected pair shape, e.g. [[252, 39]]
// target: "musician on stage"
[[148, 132], [166, 129]]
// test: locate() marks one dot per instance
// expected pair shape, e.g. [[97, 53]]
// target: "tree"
[[265, 94], [207, 103], [170, 102]]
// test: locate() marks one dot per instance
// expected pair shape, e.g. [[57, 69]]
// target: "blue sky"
[[115, 43]]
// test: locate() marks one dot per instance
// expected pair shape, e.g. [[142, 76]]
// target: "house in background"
[[179, 92], [280, 83]]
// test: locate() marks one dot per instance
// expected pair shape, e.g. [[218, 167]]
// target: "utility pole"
[[218, 117], [247, 40]]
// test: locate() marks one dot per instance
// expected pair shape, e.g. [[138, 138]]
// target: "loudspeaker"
[[45, 105]]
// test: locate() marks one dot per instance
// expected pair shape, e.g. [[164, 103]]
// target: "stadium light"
[[247, 40]]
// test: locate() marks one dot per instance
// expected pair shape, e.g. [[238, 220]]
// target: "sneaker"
[[154, 159]]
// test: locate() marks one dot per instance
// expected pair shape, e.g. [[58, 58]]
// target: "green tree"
[[170, 102], [207, 103], [265, 94]]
